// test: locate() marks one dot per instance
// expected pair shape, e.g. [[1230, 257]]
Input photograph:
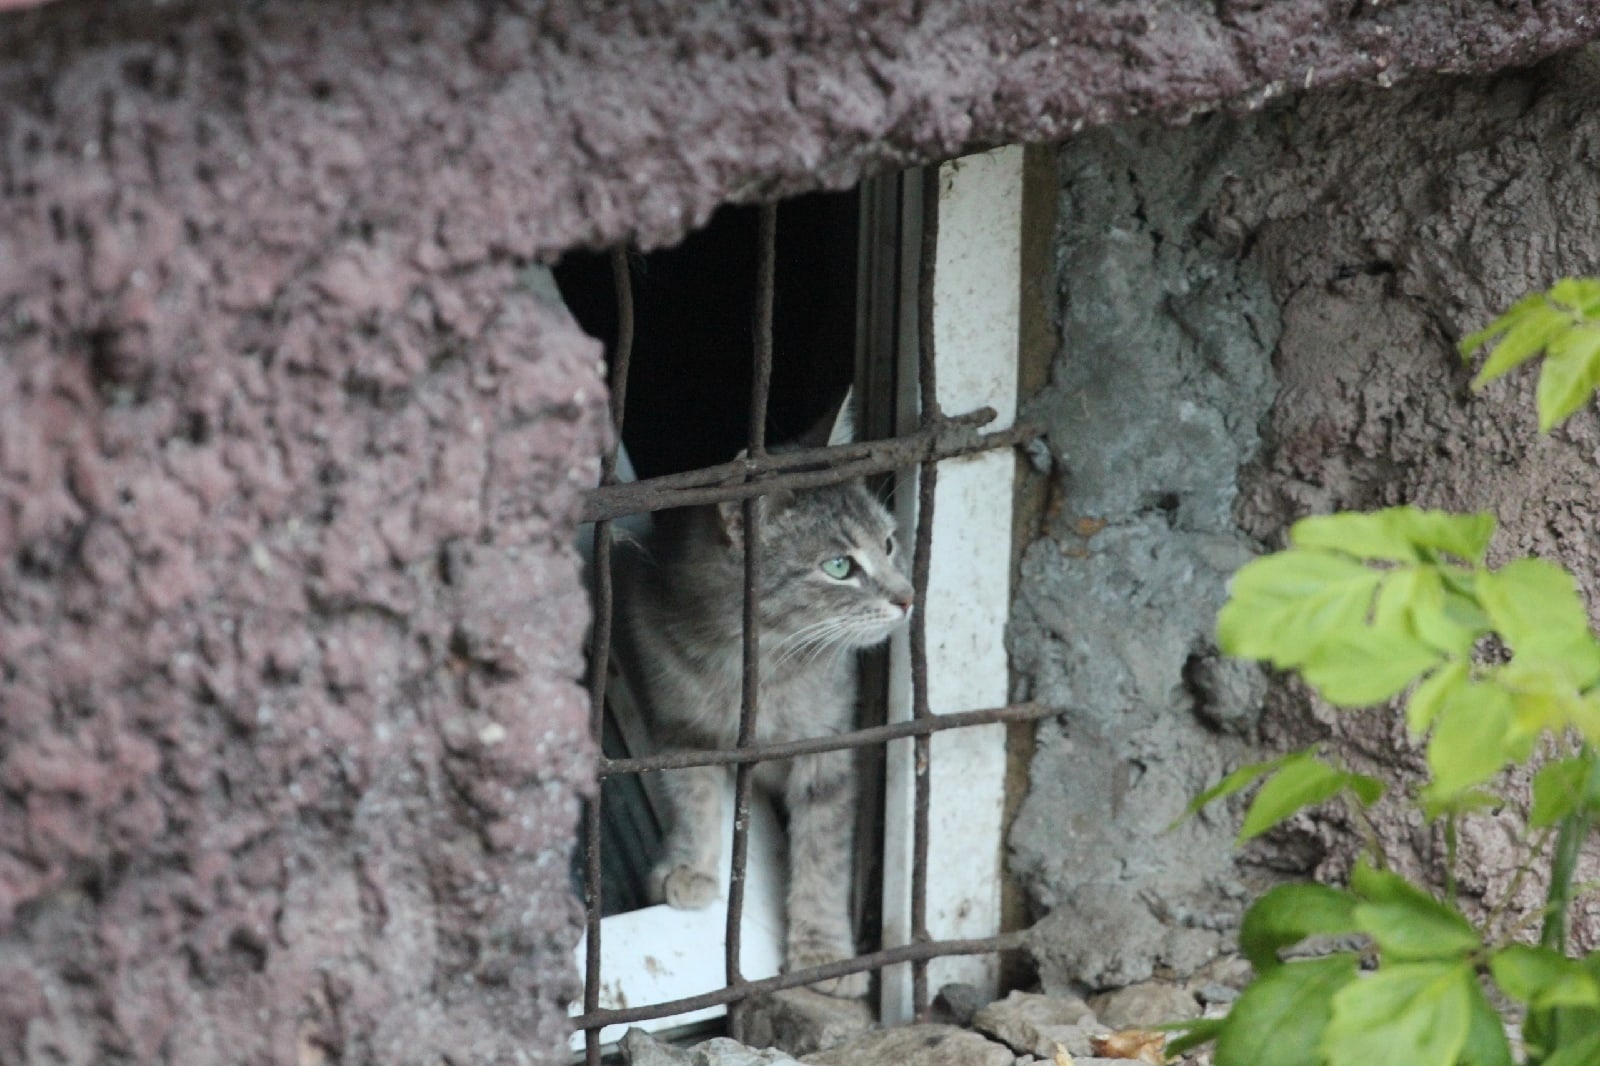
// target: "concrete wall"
[[291, 445], [1257, 320]]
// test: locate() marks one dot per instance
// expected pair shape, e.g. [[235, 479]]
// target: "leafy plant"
[[1366, 608]]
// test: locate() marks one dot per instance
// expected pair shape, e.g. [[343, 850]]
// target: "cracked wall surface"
[[1322, 257], [292, 443], [1471, 194], [1154, 403]]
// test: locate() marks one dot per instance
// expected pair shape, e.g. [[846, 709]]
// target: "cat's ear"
[[836, 425], [730, 513], [843, 430], [730, 520]]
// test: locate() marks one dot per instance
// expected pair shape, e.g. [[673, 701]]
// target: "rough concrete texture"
[[1383, 249], [800, 1021], [640, 118], [916, 1045], [290, 451], [1354, 236], [1153, 406], [639, 1048], [291, 747]]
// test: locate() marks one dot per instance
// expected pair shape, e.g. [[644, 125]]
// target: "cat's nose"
[[903, 601]]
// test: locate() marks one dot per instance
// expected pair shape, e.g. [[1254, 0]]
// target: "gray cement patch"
[[1162, 378], [1321, 258]]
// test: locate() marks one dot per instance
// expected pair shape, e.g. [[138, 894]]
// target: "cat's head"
[[832, 570]]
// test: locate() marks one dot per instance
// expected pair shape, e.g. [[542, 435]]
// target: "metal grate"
[[936, 437]]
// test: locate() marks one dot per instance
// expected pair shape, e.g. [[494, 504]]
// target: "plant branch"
[[1564, 863]]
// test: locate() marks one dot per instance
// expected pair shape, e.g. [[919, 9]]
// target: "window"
[[935, 307]]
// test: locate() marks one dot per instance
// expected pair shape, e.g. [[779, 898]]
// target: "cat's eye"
[[839, 567], [888, 546]]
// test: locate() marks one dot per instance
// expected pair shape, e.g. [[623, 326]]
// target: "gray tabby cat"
[[830, 585]]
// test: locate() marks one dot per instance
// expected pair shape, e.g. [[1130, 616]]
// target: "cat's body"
[[681, 601]]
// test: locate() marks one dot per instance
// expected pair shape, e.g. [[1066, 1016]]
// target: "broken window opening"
[[892, 298]]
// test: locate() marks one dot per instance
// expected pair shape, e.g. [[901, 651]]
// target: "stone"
[[957, 1002], [1076, 1039], [1216, 992], [1144, 1005], [1234, 971], [916, 1045], [639, 1048], [800, 1021], [1033, 1024]]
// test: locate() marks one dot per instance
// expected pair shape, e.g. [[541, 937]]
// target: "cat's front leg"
[[686, 876], [821, 798]]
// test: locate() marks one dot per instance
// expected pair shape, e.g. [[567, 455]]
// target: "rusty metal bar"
[[600, 650], [734, 471], [927, 480], [860, 738], [749, 703], [912, 953], [944, 438]]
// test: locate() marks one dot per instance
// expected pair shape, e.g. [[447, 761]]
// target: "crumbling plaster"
[[1339, 243], [291, 445]]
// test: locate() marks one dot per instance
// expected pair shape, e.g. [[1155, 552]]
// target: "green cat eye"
[[839, 568]]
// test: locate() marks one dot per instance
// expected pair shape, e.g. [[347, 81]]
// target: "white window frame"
[[658, 953]]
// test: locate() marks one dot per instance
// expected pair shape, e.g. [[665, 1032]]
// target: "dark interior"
[[689, 392], [694, 329]]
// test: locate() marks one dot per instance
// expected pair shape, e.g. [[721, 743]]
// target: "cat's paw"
[[683, 887], [850, 986]]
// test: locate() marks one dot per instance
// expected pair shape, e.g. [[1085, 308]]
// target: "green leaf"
[[1413, 926], [1368, 790], [1543, 979], [1569, 376], [1471, 740], [1533, 328], [1281, 607], [1196, 1031], [1378, 535], [1529, 304], [1287, 914], [1579, 295], [1464, 535], [1436, 804], [1486, 1035], [1561, 1027], [1414, 601], [1382, 886], [1430, 696], [1364, 666], [1586, 1052], [1238, 781], [1523, 971], [1406, 921], [1558, 791], [1417, 1013], [1534, 604], [1586, 717], [1545, 693], [1300, 782], [1280, 1018]]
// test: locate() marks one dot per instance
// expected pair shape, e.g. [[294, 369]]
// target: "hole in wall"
[[688, 395]]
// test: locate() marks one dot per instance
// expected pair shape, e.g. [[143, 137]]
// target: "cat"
[[831, 584]]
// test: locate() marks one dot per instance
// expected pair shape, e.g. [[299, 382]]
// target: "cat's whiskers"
[[818, 634]]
